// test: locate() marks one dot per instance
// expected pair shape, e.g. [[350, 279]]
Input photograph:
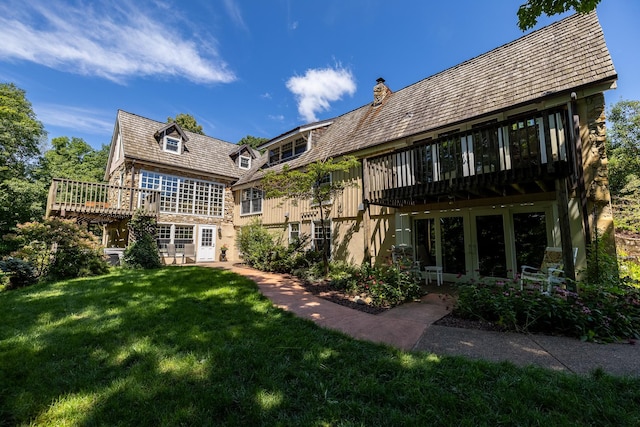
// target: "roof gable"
[[203, 154]]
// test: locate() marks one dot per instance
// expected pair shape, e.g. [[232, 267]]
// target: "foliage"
[[18, 272], [20, 201], [602, 265], [186, 122], [260, 250], [529, 12], [380, 286], [72, 159], [143, 251], [387, 286], [59, 249], [20, 132], [623, 148], [194, 346], [311, 184], [596, 313], [252, 141]]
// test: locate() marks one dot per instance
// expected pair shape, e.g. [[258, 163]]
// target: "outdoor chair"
[[402, 257], [549, 275], [189, 253], [171, 251]]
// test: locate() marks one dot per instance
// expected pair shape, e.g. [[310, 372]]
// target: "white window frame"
[[178, 144], [292, 232], [324, 181], [315, 226], [176, 233], [253, 196], [248, 161], [185, 195]]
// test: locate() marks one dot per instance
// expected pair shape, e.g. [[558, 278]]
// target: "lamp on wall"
[[286, 215]]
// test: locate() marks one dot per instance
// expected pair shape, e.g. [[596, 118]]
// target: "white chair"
[[550, 273], [171, 251], [189, 252], [402, 256]]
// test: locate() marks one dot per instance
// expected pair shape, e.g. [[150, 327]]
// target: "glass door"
[[491, 253]]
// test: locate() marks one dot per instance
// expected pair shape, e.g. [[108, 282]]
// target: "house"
[[477, 168], [181, 177]]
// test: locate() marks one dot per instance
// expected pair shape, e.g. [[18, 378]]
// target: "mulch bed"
[[323, 290]]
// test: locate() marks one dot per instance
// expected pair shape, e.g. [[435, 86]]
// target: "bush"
[[260, 250], [17, 273], [595, 314], [143, 251], [385, 286], [59, 249]]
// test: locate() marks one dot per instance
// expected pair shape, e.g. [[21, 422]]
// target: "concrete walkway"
[[410, 327]]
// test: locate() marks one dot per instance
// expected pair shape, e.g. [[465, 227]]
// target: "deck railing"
[[76, 197], [531, 149]]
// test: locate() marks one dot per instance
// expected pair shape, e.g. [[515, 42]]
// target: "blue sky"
[[251, 67]]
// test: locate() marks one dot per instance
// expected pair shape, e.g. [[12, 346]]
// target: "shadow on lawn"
[[193, 345]]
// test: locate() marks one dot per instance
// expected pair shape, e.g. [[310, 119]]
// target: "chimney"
[[380, 91]]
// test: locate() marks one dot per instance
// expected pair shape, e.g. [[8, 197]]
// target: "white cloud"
[[116, 42], [234, 13], [266, 95], [74, 118], [277, 118], [318, 88]]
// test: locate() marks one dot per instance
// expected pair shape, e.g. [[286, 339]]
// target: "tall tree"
[[187, 122], [529, 12], [73, 159], [623, 152], [252, 141], [20, 132], [315, 184]]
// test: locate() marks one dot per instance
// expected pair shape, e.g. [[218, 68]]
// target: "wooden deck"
[[98, 202]]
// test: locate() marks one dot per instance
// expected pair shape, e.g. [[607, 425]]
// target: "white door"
[[206, 243]]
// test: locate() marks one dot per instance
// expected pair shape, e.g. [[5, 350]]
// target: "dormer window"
[[244, 162], [172, 144], [287, 151]]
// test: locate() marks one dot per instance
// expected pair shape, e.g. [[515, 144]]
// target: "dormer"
[[292, 144], [243, 157], [171, 138]]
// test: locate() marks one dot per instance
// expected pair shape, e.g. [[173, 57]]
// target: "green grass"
[[197, 346]]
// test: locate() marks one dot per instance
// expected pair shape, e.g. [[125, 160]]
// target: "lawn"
[[198, 346]]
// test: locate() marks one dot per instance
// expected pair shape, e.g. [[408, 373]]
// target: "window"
[[287, 151], [294, 231], [251, 201], [179, 235], [171, 144], [322, 237], [245, 162], [184, 195]]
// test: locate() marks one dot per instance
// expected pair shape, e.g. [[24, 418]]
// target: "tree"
[[252, 141], [312, 183], [187, 122], [529, 12], [20, 132], [623, 152], [73, 159]]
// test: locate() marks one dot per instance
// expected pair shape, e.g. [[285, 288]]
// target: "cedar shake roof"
[[561, 57], [200, 153]]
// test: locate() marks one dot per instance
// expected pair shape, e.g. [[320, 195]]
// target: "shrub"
[[59, 249], [595, 314], [386, 286], [143, 251], [260, 250], [17, 273]]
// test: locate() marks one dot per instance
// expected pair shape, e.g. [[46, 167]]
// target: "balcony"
[[98, 202], [523, 155]]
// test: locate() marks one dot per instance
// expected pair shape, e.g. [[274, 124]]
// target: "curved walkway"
[[410, 327]]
